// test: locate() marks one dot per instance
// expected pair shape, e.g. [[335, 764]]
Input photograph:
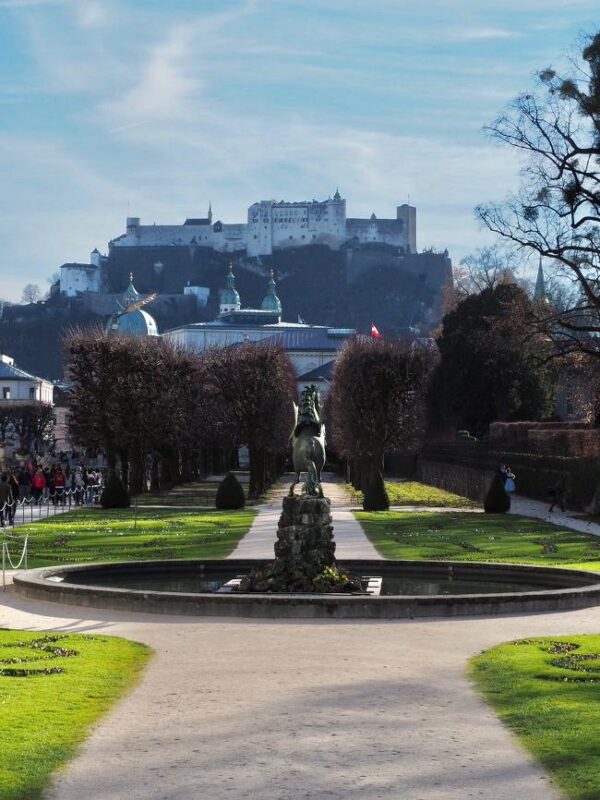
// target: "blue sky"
[[110, 108]]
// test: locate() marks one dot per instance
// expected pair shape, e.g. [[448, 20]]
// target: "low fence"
[[30, 509]]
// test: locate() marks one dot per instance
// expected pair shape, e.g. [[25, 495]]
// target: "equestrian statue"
[[308, 443]]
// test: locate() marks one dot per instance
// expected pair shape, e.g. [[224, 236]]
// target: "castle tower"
[[229, 299], [271, 302]]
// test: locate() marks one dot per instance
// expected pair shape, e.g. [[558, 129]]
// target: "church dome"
[[271, 302], [137, 323], [229, 297]]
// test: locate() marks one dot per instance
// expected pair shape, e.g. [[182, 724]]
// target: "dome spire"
[[271, 302], [130, 295], [230, 299]]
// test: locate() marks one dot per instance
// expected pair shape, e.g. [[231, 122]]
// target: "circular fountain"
[[304, 562], [408, 589]]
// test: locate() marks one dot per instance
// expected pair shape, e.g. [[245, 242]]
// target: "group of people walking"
[[38, 484]]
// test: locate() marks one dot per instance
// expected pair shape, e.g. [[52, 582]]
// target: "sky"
[[153, 108]]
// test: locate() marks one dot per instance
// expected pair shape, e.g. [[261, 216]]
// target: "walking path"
[[300, 710], [539, 509], [350, 539]]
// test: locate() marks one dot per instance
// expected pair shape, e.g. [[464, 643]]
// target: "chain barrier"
[[56, 502], [6, 554]]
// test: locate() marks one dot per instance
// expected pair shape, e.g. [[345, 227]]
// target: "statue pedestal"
[[305, 535]]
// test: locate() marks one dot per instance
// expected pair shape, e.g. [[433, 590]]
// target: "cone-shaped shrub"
[[230, 494], [376, 497], [115, 495], [497, 500]]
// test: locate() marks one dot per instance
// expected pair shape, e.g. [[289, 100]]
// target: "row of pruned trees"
[[143, 399]]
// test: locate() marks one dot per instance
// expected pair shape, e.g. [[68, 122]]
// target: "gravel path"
[[311, 710], [350, 539], [298, 709]]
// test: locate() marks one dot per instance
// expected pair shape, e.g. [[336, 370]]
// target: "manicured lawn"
[[413, 493], [548, 692], [456, 536], [96, 535], [52, 687], [191, 494]]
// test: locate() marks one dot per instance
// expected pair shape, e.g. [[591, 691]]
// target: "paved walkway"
[[350, 540], [539, 509], [300, 710]]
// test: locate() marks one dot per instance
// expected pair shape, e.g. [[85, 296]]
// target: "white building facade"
[[17, 385], [272, 225]]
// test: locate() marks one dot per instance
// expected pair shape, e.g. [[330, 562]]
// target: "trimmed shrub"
[[230, 494], [376, 497], [497, 501], [115, 495]]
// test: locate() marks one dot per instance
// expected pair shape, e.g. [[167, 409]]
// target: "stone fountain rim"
[[583, 590]]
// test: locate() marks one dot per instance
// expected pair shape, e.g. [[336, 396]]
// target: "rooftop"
[[12, 373]]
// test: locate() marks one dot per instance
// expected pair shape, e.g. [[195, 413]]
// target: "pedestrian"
[[78, 486], [14, 489], [68, 485], [24, 479], [38, 484], [5, 498], [59, 487], [558, 495], [509, 480]]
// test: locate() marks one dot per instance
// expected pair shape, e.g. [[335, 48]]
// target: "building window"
[[6, 393], [32, 392]]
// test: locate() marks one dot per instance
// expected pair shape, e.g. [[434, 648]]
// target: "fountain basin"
[[132, 586]]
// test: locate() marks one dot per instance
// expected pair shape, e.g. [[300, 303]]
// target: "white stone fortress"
[[274, 225]]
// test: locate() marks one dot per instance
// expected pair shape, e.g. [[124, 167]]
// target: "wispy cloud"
[[163, 105], [478, 34]]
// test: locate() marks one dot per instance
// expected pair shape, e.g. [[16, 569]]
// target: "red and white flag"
[[374, 332]]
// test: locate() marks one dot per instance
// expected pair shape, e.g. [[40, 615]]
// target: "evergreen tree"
[[493, 363]]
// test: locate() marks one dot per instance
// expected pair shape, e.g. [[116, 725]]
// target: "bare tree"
[[31, 293], [252, 387], [377, 401], [556, 212]]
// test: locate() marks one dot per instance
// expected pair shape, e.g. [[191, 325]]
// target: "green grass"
[[52, 687], [548, 692], [412, 493], [456, 536], [191, 494], [95, 535]]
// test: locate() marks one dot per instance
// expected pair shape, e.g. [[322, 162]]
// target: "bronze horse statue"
[[308, 443]]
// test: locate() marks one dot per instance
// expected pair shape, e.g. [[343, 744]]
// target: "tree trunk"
[[256, 485], [155, 475], [124, 459], [137, 475]]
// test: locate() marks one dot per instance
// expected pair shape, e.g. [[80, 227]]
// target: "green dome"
[[137, 323], [271, 302], [229, 295]]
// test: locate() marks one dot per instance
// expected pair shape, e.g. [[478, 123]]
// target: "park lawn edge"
[[125, 662], [97, 535], [424, 535], [552, 709]]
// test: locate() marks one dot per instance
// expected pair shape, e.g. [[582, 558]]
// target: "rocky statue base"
[[304, 553]]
